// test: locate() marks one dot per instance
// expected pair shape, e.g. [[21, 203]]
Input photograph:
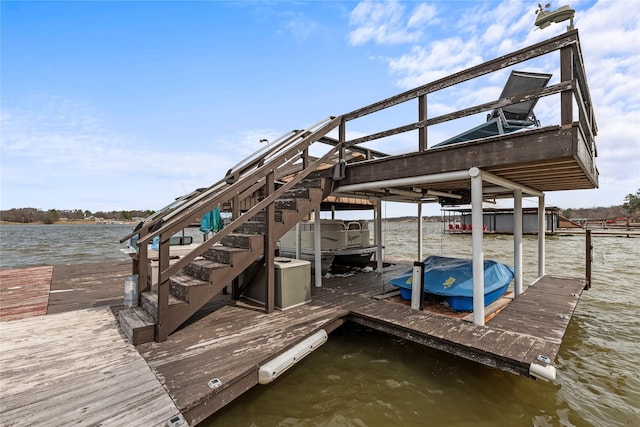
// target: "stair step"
[[296, 193], [150, 303], [262, 215], [204, 269], [137, 325], [310, 183], [288, 204], [181, 283], [242, 241], [251, 227], [223, 254]]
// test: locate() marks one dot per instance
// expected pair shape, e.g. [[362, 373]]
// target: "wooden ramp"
[[75, 367]]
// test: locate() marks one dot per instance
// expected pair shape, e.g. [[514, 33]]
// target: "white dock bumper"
[[545, 372], [276, 367]]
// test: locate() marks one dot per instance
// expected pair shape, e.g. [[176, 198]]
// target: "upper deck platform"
[[550, 158], [558, 156]]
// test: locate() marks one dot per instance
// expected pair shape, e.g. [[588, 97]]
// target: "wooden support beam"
[[142, 267], [342, 137], [162, 326], [566, 97]]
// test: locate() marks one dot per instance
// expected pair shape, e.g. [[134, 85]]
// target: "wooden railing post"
[[566, 97], [422, 117], [162, 326], [269, 248], [342, 137], [142, 268]]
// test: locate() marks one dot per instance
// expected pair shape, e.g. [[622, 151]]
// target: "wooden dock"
[[80, 353], [74, 366]]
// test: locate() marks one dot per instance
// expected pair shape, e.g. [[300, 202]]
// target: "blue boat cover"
[[454, 276]]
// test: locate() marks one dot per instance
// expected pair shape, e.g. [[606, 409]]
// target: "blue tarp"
[[211, 221]]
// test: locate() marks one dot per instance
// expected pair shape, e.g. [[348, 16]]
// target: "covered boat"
[[453, 279], [343, 243]]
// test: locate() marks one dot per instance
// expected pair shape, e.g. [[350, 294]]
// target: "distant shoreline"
[[72, 222]]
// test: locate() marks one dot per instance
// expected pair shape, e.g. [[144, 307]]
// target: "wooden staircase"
[[202, 279], [273, 200]]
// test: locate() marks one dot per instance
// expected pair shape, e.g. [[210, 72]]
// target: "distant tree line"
[[630, 209], [31, 215], [599, 213]]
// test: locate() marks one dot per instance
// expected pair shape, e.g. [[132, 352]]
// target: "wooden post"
[[269, 248], [162, 327], [422, 116], [342, 137], [588, 259], [566, 97], [142, 268]]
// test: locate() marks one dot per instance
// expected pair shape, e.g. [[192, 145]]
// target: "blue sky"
[[127, 105]]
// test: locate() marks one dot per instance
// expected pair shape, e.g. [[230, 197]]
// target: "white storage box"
[[292, 287]]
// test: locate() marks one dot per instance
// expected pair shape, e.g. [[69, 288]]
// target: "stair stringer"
[[199, 296]]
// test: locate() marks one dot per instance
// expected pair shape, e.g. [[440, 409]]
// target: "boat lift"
[[478, 191]]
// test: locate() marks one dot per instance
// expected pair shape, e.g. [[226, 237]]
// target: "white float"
[[276, 367]]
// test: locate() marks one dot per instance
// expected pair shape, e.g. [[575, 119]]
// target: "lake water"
[[365, 378]]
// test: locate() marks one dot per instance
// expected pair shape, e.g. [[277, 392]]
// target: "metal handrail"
[[198, 206], [175, 267], [186, 201]]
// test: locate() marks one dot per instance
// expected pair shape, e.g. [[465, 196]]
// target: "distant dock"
[[619, 232], [78, 350]]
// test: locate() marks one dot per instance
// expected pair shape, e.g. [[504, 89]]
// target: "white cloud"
[[423, 14], [385, 23], [441, 58]]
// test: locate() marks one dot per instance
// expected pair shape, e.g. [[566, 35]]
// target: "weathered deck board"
[[24, 292], [228, 344], [62, 368], [80, 286]]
